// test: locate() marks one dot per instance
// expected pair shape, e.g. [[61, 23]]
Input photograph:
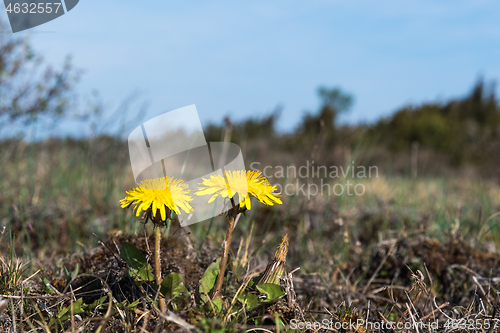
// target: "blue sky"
[[243, 58]]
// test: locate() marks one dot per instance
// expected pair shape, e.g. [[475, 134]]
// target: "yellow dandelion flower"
[[244, 183], [161, 194]]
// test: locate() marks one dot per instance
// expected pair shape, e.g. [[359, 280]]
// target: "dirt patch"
[[384, 274]]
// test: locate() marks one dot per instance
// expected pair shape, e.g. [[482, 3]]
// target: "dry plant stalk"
[[422, 288], [276, 268]]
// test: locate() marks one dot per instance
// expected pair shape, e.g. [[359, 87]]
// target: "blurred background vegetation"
[[438, 168], [450, 138]]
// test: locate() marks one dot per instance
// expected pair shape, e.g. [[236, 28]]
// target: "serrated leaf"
[[172, 285], [139, 269], [272, 291], [207, 281]]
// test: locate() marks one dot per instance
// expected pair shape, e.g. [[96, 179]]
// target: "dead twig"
[[434, 311], [374, 275]]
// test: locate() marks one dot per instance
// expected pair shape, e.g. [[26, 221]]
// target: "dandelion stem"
[[223, 262], [158, 265]]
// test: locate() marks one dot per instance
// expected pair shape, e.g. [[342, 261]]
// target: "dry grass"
[[407, 250]]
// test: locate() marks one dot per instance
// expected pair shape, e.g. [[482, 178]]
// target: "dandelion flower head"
[[242, 183], [161, 194]]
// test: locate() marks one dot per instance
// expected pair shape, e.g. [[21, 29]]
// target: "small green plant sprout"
[[158, 199], [73, 275], [243, 184], [65, 313]]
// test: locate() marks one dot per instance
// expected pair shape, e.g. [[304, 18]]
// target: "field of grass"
[[397, 253]]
